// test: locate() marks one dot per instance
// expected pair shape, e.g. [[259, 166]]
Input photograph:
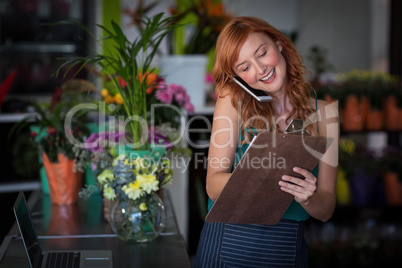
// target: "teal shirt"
[[294, 212]]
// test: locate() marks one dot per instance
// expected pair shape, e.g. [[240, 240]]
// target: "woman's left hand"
[[301, 189]]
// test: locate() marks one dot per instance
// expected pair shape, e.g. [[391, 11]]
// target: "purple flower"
[[155, 137]]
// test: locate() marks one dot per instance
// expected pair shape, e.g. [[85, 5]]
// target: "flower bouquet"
[[138, 215]]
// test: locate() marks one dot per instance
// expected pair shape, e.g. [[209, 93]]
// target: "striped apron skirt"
[[251, 245]]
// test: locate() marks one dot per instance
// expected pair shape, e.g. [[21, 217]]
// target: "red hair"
[[228, 46]]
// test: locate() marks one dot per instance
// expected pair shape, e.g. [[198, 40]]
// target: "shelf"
[[40, 47], [13, 118]]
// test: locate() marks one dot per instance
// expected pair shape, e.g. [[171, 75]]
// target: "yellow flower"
[[109, 193], [133, 190], [104, 92], [347, 146], [118, 98], [143, 207], [148, 182], [106, 174]]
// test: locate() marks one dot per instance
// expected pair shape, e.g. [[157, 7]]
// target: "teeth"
[[271, 73]]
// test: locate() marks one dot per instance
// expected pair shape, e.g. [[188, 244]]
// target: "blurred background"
[[352, 49]]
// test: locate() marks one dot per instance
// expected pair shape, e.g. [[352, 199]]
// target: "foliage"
[[318, 58], [51, 135], [354, 157], [128, 67], [372, 84], [208, 18], [131, 179], [391, 161]]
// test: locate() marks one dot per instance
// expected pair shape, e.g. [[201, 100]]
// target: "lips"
[[269, 77]]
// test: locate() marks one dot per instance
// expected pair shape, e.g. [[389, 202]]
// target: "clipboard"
[[252, 194]]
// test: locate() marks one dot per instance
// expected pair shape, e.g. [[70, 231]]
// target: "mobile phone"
[[296, 126], [258, 94]]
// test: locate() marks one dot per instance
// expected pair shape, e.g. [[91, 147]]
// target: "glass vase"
[[140, 220]]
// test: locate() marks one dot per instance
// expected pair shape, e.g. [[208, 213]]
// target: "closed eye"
[[263, 54]]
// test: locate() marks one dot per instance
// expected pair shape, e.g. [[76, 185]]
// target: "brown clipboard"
[[252, 194]]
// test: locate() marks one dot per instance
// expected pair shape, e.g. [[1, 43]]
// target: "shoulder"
[[224, 103], [226, 116]]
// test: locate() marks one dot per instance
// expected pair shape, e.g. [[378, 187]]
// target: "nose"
[[260, 67]]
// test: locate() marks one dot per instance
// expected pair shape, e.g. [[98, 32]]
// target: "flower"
[[50, 132], [354, 157], [132, 179], [205, 18], [143, 206], [169, 94], [128, 68]]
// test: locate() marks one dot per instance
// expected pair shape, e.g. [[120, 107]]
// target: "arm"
[[317, 195], [223, 144]]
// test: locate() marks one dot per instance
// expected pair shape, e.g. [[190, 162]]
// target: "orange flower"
[[152, 81]]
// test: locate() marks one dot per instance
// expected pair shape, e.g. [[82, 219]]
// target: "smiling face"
[[261, 64]]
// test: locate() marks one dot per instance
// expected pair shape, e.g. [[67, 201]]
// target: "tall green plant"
[[128, 68]]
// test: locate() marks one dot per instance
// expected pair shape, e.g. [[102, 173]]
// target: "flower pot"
[[188, 71], [391, 113], [400, 119], [392, 188], [64, 183], [374, 120], [352, 119], [140, 220], [42, 133], [364, 108]]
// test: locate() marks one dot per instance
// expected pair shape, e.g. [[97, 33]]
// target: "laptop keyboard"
[[63, 260]]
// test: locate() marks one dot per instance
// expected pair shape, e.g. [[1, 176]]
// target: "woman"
[[266, 59]]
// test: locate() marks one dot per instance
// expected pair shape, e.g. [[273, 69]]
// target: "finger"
[[300, 197], [301, 182], [305, 173]]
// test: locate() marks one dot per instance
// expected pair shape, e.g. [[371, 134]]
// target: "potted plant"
[[358, 166], [391, 105], [354, 103], [128, 69], [392, 175], [378, 89], [63, 161]]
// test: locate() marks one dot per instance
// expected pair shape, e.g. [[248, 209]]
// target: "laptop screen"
[[27, 229]]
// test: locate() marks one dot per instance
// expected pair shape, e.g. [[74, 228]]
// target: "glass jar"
[[140, 220]]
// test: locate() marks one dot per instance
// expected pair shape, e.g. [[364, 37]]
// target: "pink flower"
[[180, 98], [209, 79], [189, 107], [164, 96]]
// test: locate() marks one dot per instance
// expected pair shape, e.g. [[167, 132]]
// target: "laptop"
[[60, 258]]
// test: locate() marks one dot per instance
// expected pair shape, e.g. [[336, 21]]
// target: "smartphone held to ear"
[[259, 95]]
